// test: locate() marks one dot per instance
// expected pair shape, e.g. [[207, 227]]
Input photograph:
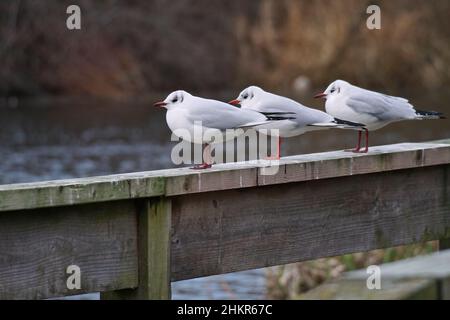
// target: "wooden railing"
[[132, 234]]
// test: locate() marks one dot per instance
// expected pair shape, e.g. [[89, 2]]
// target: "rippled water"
[[64, 140], [243, 285]]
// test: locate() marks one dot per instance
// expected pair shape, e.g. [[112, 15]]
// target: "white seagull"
[[373, 109], [195, 115], [298, 118]]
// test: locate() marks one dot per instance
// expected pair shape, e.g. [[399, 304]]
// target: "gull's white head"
[[174, 99], [335, 89], [248, 97]]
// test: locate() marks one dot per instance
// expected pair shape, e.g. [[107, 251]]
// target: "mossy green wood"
[[154, 225], [57, 193]]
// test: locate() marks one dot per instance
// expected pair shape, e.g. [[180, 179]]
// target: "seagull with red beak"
[[294, 118], [372, 109], [190, 114]]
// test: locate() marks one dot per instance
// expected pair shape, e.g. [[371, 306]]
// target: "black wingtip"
[[279, 115], [279, 118], [276, 113], [349, 123], [431, 114]]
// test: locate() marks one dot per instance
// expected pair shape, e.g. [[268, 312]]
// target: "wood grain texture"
[[37, 247], [154, 253], [220, 232], [79, 191], [174, 182]]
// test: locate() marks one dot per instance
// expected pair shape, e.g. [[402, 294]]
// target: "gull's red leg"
[[205, 164], [367, 142], [366, 148], [358, 146]]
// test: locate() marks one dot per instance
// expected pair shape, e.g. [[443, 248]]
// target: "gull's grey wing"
[[380, 106], [219, 115], [292, 110]]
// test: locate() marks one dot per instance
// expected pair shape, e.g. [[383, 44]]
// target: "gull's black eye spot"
[[174, 99], [332, 90], [245, 96]]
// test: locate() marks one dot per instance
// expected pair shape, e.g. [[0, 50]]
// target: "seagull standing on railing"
[[373, 109], [194, 115], [299, 118]]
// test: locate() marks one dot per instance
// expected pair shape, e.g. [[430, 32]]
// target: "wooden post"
[[154, 224]]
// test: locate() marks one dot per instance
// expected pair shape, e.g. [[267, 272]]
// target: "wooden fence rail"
[[132, 234]]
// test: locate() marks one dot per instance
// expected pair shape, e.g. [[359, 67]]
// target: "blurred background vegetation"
[[137, 49], [130, 48]]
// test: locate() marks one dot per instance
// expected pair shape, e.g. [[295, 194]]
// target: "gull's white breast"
[[193, 131]]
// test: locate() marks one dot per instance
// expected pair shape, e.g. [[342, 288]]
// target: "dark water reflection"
[[55, 141], [63, 140]]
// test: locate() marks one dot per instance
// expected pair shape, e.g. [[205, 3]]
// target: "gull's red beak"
[[160, 104], [234, 102], [320, 95]]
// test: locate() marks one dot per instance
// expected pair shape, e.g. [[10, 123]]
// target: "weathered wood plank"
[[341, 163], [36, 249], [154, 253], [310, 167], [234, 230], [221, 177], [392, 289], [79, 191]]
